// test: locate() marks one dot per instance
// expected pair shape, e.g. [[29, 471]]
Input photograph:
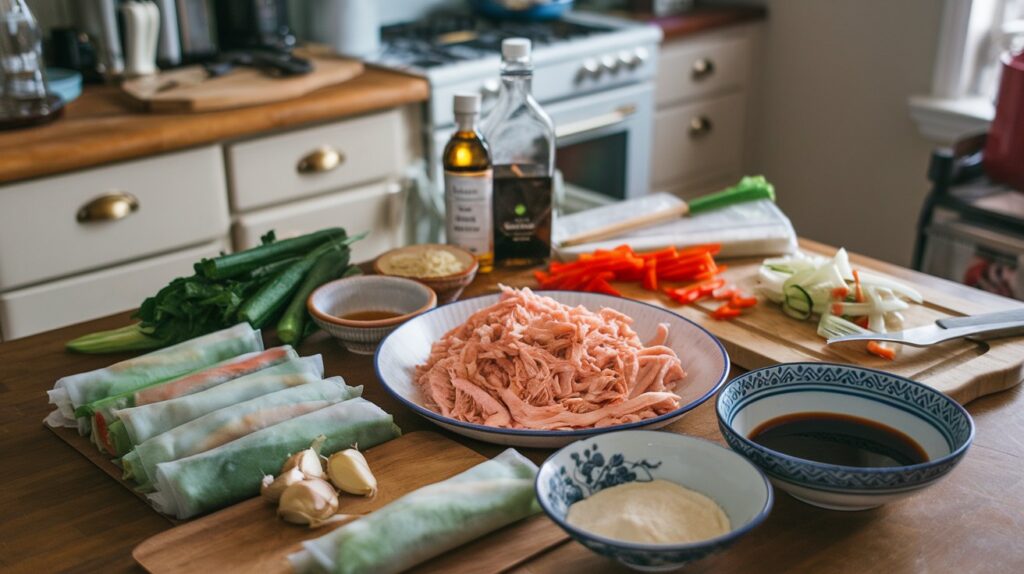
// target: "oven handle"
[[617, 116]]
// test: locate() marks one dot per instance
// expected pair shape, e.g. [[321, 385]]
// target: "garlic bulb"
[[311, 502], [272, 488], [307, 462], [349, 471]]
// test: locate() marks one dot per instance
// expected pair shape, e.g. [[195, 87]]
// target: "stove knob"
[[641, 56], [589, 69], [610, 64], [628, 60], [490, 89]]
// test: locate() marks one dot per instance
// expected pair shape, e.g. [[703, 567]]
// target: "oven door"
[[603, 147]]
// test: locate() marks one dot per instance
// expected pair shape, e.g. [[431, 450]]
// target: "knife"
[[1001, 324]]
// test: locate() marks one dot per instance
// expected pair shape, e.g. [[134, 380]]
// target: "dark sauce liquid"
[[839, 439], [369, 315]]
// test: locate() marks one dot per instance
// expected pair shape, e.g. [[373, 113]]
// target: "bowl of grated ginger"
[[444, 268]]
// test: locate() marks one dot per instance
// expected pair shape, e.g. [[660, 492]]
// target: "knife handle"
[[984, 319]]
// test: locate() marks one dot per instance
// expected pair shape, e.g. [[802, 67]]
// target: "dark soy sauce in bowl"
[[833, 438]]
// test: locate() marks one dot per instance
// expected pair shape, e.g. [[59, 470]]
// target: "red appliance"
[[1004, 150]]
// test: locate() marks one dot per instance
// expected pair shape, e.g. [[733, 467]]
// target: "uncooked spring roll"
[[427, 522], [147, 421], [102, 411], [73, 391], [233, 471], [229, 423]]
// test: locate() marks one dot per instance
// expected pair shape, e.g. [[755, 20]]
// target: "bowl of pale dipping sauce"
[[652, 500], [444, 268], [360, 311]]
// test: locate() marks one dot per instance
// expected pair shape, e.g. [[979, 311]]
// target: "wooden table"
[[60, 513]]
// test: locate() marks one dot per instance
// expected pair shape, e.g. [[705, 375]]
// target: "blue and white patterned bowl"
[[593, 464], [936, 422]]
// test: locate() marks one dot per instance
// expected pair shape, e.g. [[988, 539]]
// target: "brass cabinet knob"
[[108, 207], [321, 160], [702, 68], [700, 126]]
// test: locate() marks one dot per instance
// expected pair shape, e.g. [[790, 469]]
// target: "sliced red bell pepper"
[[726, 312], [725, 293], [650, 280], [740, 302]]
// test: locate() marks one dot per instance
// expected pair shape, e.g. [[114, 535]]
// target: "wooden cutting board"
[[764, 336], [189, 89], [248, 537]]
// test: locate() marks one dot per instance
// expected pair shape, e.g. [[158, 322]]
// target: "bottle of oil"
[[522, 140], [468, 184]]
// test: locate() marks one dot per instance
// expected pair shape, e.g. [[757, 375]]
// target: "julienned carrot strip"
[[859, 291], [840, 292], [600, 285], [886, 352], [541, 277], [711, 272], [862, 321], [650, 280], [667, 253]]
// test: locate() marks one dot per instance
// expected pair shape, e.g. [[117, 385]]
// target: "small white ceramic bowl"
[[593, 464], [331, 301], [940, 426]]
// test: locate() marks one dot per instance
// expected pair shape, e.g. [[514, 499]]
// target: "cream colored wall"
[[832, 128]]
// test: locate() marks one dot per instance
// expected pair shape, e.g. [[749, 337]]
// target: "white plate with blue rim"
[[703, 358]]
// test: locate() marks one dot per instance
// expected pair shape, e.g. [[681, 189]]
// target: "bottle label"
[[522, 218], [468, 205]]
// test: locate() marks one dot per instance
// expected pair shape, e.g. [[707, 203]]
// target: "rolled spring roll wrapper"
[[229, 423], [102, 411], [74, 391], [233, 471], [147, 421], [428, 521]]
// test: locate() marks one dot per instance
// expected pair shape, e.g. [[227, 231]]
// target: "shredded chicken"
[[530, 362]]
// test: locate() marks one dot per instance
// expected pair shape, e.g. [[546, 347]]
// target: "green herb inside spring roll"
[[147, 421], [229, 423], [428, 521], [233, 471]]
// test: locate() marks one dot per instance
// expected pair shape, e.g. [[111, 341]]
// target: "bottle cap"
[[467, 103], [515, 49]]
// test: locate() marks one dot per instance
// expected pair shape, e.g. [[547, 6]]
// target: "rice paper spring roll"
[[232, 472], [74, 391], [147, 421], [427, 522], [229, 423], [103, 410]]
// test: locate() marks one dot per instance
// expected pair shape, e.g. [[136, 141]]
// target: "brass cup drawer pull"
[[702, 68], [700, 126], [108, 207], [321, 160]]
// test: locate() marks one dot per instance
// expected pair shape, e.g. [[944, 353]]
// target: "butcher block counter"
[[103, 127], [62, 513]]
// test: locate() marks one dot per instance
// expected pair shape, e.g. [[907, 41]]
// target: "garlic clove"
[[307, 462], [349, 471], [271, 488], [311, 502]]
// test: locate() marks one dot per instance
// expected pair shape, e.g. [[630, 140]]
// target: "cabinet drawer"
[[281, 168], [375, 208], [181, 199], [687, 70], [699, 139], [75, 299]]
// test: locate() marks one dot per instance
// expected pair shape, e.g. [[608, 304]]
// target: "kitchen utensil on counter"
[[523, 10], [99, 20], [1002, 324], [935, 424], [448, 287], [361, 311], [349, 27], [142, 30], [24, 99], [248, 537], [191, 89], [1004, 148], [717, 200], [735, 484], [247, 24], [274, 63], [703, 358]]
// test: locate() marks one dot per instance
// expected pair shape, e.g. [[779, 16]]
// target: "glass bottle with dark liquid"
[[522, 140], [468, 185]]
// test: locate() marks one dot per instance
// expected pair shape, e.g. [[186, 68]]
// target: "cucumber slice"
[[797, 303]]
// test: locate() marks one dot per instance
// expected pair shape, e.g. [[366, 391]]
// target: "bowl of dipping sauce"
[[361, 311], [652, 500], [843, 437], [444, 268]]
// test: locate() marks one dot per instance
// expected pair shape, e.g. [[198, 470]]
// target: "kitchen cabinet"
[[702, 94], [104, 238]]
